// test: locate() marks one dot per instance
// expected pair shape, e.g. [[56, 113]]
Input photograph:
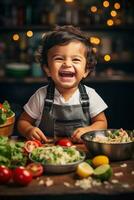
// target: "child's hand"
[[76, 136], [35, 133]]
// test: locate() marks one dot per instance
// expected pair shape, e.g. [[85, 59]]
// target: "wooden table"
[[121, 186]]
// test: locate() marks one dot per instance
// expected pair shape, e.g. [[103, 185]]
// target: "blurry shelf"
[[41, 28]]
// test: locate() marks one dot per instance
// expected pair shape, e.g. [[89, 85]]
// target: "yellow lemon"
[[84, 170], [100, 160]]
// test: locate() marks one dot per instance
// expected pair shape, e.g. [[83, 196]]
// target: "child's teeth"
[[68, 74]]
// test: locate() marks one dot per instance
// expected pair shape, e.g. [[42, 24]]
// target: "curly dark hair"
[[62, 35]]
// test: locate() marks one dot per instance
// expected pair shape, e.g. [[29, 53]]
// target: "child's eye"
[[76, 60], [58, 58]]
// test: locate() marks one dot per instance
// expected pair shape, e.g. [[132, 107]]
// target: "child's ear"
[[46, 69], [86, 73]]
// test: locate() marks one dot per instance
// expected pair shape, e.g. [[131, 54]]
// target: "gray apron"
[[63, 120]]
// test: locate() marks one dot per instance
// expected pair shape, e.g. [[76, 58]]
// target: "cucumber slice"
[[103, 172]]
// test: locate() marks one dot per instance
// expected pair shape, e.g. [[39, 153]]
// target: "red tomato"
[[36, 169], [64, 142], [22, 176], [5, 174], [38, 142], [1, 106], [30, 145]]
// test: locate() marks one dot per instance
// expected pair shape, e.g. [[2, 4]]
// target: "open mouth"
[[66, 74]]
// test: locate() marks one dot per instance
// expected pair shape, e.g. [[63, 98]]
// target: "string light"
[[16, 37], [113, 13], [29, 33], [93, 9], [95, 40], [117, 6], [106, 4], [118, 21], [110, 22], [107, 57]]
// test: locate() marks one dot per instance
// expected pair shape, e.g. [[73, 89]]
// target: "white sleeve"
[[35, 104], [96, 103]]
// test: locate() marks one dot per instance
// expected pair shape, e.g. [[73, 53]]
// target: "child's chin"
[[67, 85], [67, 79]]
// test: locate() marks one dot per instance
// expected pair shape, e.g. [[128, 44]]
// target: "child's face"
[[67, 64]]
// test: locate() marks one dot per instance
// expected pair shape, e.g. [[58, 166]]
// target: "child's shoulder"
[[89, 89], [42, 90]]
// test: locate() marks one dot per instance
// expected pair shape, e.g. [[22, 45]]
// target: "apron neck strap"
[[84, 98], [49, 97]]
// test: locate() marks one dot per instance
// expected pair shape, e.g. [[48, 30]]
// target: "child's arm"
[[27, 129], [97, 122]]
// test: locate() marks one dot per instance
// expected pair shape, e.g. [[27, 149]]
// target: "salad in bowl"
[[7, 119], [57, 159]]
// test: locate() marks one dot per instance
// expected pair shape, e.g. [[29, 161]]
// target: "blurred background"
[[110, 25]]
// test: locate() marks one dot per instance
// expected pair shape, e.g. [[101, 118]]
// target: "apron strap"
[[49, 97], [84, 98]]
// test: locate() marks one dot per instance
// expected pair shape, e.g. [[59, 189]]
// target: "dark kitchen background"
[[110, 25]]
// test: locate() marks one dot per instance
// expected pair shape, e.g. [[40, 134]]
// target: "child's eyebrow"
[[65, 56], [56, 55]]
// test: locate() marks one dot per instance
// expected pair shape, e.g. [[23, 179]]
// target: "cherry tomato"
[[30, 145], [36, 169], [22, 176], [1, 106], [5, 174], [64, 142]]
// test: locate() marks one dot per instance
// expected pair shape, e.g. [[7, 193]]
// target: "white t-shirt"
[[34, 107]]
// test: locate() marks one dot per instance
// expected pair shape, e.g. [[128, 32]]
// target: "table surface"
[[121, 183]]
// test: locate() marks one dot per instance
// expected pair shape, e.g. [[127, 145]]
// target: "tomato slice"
[[38, 142], [36, 169], [30, 145]]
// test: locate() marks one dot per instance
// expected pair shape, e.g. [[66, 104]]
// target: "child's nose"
[[67, 63]]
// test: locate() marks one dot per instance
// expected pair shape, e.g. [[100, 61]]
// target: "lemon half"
[[84, 170]]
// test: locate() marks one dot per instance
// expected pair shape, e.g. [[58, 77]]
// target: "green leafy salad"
[[12, 153], [56, 155], [5, 112]]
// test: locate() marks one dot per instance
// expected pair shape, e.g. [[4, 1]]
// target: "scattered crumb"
[[124, 165], [114, 181], [67, 184], [41, 182], [49, 182], [108, 186], [125, 185], [106, 182], [84, 183], [87, 183], [96, 183], [118, 174], [132, 172]]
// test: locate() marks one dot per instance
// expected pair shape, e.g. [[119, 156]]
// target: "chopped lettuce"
[[12, 153]]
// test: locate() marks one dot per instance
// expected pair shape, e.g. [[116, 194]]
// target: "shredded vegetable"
[[114, 136], [56, 155]]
